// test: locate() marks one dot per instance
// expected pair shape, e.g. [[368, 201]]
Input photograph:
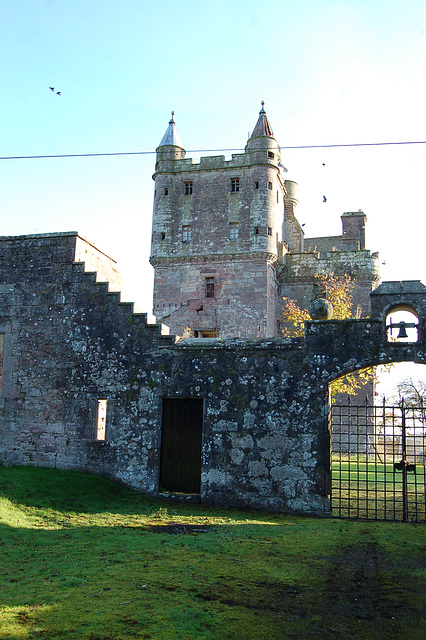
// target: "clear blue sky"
[[329, 72]]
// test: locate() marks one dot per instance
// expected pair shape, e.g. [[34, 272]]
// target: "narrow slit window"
[[166, 191], [101, 420], [270, 186], [235, 185], [189, 188], [256, 184], [186, 233], [269, 231], [209, 287], [256, 231], [1, 354], [163, 235], [233, 230], [271, 155]]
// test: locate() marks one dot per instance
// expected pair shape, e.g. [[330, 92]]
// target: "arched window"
[[402, 325]]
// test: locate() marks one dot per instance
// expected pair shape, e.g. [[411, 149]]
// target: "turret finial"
[[171, 137], [262, 128]]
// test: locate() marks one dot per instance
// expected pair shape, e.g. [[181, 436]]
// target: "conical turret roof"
[[171, 137], [262, 128]]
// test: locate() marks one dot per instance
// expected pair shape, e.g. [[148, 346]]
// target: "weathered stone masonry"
[[233, 222], [69, 341]]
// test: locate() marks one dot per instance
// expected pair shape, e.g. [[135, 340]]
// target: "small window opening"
[[210, 333], [101, 420], [269, 231], [166, 191], [270, 186], [1, 354], [277, 196], [188, 188], [256, 231], [256, 184], [186, 233], [271, 155], [209, 287], [163, 235], [233, 230], [235, 185]]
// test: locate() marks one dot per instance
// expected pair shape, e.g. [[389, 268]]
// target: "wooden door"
[[180, 461]]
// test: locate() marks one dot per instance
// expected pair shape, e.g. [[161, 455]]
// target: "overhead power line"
[[142, 153]]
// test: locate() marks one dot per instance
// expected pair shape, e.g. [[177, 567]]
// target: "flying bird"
[[58, 93], [52, 88], [324, 199]]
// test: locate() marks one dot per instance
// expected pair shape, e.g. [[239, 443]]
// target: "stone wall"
[[297, 280], [69, 342], [233, 235]]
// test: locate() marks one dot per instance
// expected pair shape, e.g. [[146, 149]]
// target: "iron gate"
[[378, 456]]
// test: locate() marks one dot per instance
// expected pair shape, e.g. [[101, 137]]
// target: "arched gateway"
[[89, 384]]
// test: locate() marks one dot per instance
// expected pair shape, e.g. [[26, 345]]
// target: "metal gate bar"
[[378, 461]]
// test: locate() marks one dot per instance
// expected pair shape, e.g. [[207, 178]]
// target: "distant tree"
[[412, 391], [338, 291]]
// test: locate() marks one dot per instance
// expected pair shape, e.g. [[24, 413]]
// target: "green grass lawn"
[[83, 557], [370, 489]]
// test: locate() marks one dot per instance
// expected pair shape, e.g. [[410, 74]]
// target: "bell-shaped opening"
[[402, 325]]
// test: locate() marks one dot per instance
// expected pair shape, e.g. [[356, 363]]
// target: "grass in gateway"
[[369, 489], [84, 557]]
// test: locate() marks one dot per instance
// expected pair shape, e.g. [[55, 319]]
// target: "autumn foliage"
[[338, 291]]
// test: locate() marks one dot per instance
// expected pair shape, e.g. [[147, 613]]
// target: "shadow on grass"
[[121, 582], [69, 491], [301, 578]]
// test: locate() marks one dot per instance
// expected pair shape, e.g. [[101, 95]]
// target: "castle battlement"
[[225, 235]]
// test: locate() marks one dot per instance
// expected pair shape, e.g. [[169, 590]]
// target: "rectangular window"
[[256, 184], [233, 230], [235, 185], [256, 231], [188, 188], [270, 154], [186, 233], [209, 287], [101, 420], [269, 231], [270, 185], [163, 235], [1, 354], [211, 333], [166, 191]]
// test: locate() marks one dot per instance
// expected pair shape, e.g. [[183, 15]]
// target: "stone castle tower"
[[227, 246]]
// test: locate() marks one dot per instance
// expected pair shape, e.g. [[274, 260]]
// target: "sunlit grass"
[[369, 489], [83, 557]]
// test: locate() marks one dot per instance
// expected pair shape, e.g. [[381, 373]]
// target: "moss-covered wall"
[[70, 342]]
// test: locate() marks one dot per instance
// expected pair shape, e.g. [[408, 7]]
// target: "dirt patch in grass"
[[178, 528]]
